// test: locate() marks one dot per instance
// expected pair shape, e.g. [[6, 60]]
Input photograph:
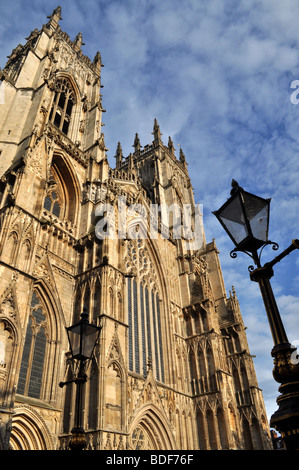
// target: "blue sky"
[[217, 76]]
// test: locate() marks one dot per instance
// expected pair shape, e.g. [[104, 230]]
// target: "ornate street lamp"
[[82, 338], [245, 218]]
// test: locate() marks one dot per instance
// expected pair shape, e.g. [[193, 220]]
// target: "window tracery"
[[54, 200], [138, 439], [144, 313], [61, 192], [32, 364], [63, 103]]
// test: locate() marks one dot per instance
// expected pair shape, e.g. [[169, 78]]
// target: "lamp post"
[[82, 338], [245, 218]]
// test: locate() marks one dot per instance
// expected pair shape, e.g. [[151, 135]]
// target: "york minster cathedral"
[[171, 368]]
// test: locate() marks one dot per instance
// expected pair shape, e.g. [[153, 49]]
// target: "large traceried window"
[[62, 106], [32, 365], [144, 315]]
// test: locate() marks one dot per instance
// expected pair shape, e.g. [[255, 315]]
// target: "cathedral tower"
[[172, 369]]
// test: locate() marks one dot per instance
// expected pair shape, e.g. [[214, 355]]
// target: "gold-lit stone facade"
[[172, 368]]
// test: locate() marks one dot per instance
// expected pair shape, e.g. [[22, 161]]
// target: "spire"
[[119, 156], [171, 146], [182, 156], [183, 159], [136, 144], [98, 61], [78, 42], [156, 133], [131, 162], [54, 18]]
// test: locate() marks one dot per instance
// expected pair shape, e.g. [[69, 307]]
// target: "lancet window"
[[32, 365]]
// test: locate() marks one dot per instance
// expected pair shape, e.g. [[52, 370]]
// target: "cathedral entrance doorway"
[[151, 431], [29, 431]]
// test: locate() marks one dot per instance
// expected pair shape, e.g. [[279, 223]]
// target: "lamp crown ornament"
[[235, 187], [84, 314]]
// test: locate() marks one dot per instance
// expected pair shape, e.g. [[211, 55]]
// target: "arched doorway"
[[150, 431], [29, 431]]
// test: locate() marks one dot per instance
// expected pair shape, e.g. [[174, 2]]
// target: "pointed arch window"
[[63, 103], [61, 192], [32, 364], [144, 313], [55, 199]]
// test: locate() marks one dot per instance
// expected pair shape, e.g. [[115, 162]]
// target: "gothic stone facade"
[[172, 369]]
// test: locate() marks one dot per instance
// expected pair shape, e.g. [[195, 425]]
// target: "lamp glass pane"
[[257, 211], [259, 225], [232, 217], [89, 338], [74, 334]]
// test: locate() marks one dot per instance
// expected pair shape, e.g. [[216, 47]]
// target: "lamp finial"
[[235, 187], [84, 314]]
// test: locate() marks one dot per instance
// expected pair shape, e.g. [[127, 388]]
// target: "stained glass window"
[[138, 439], [142, 317], [130, 320], [33, 358], [160, 337], [136, 328], [145, 334]]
